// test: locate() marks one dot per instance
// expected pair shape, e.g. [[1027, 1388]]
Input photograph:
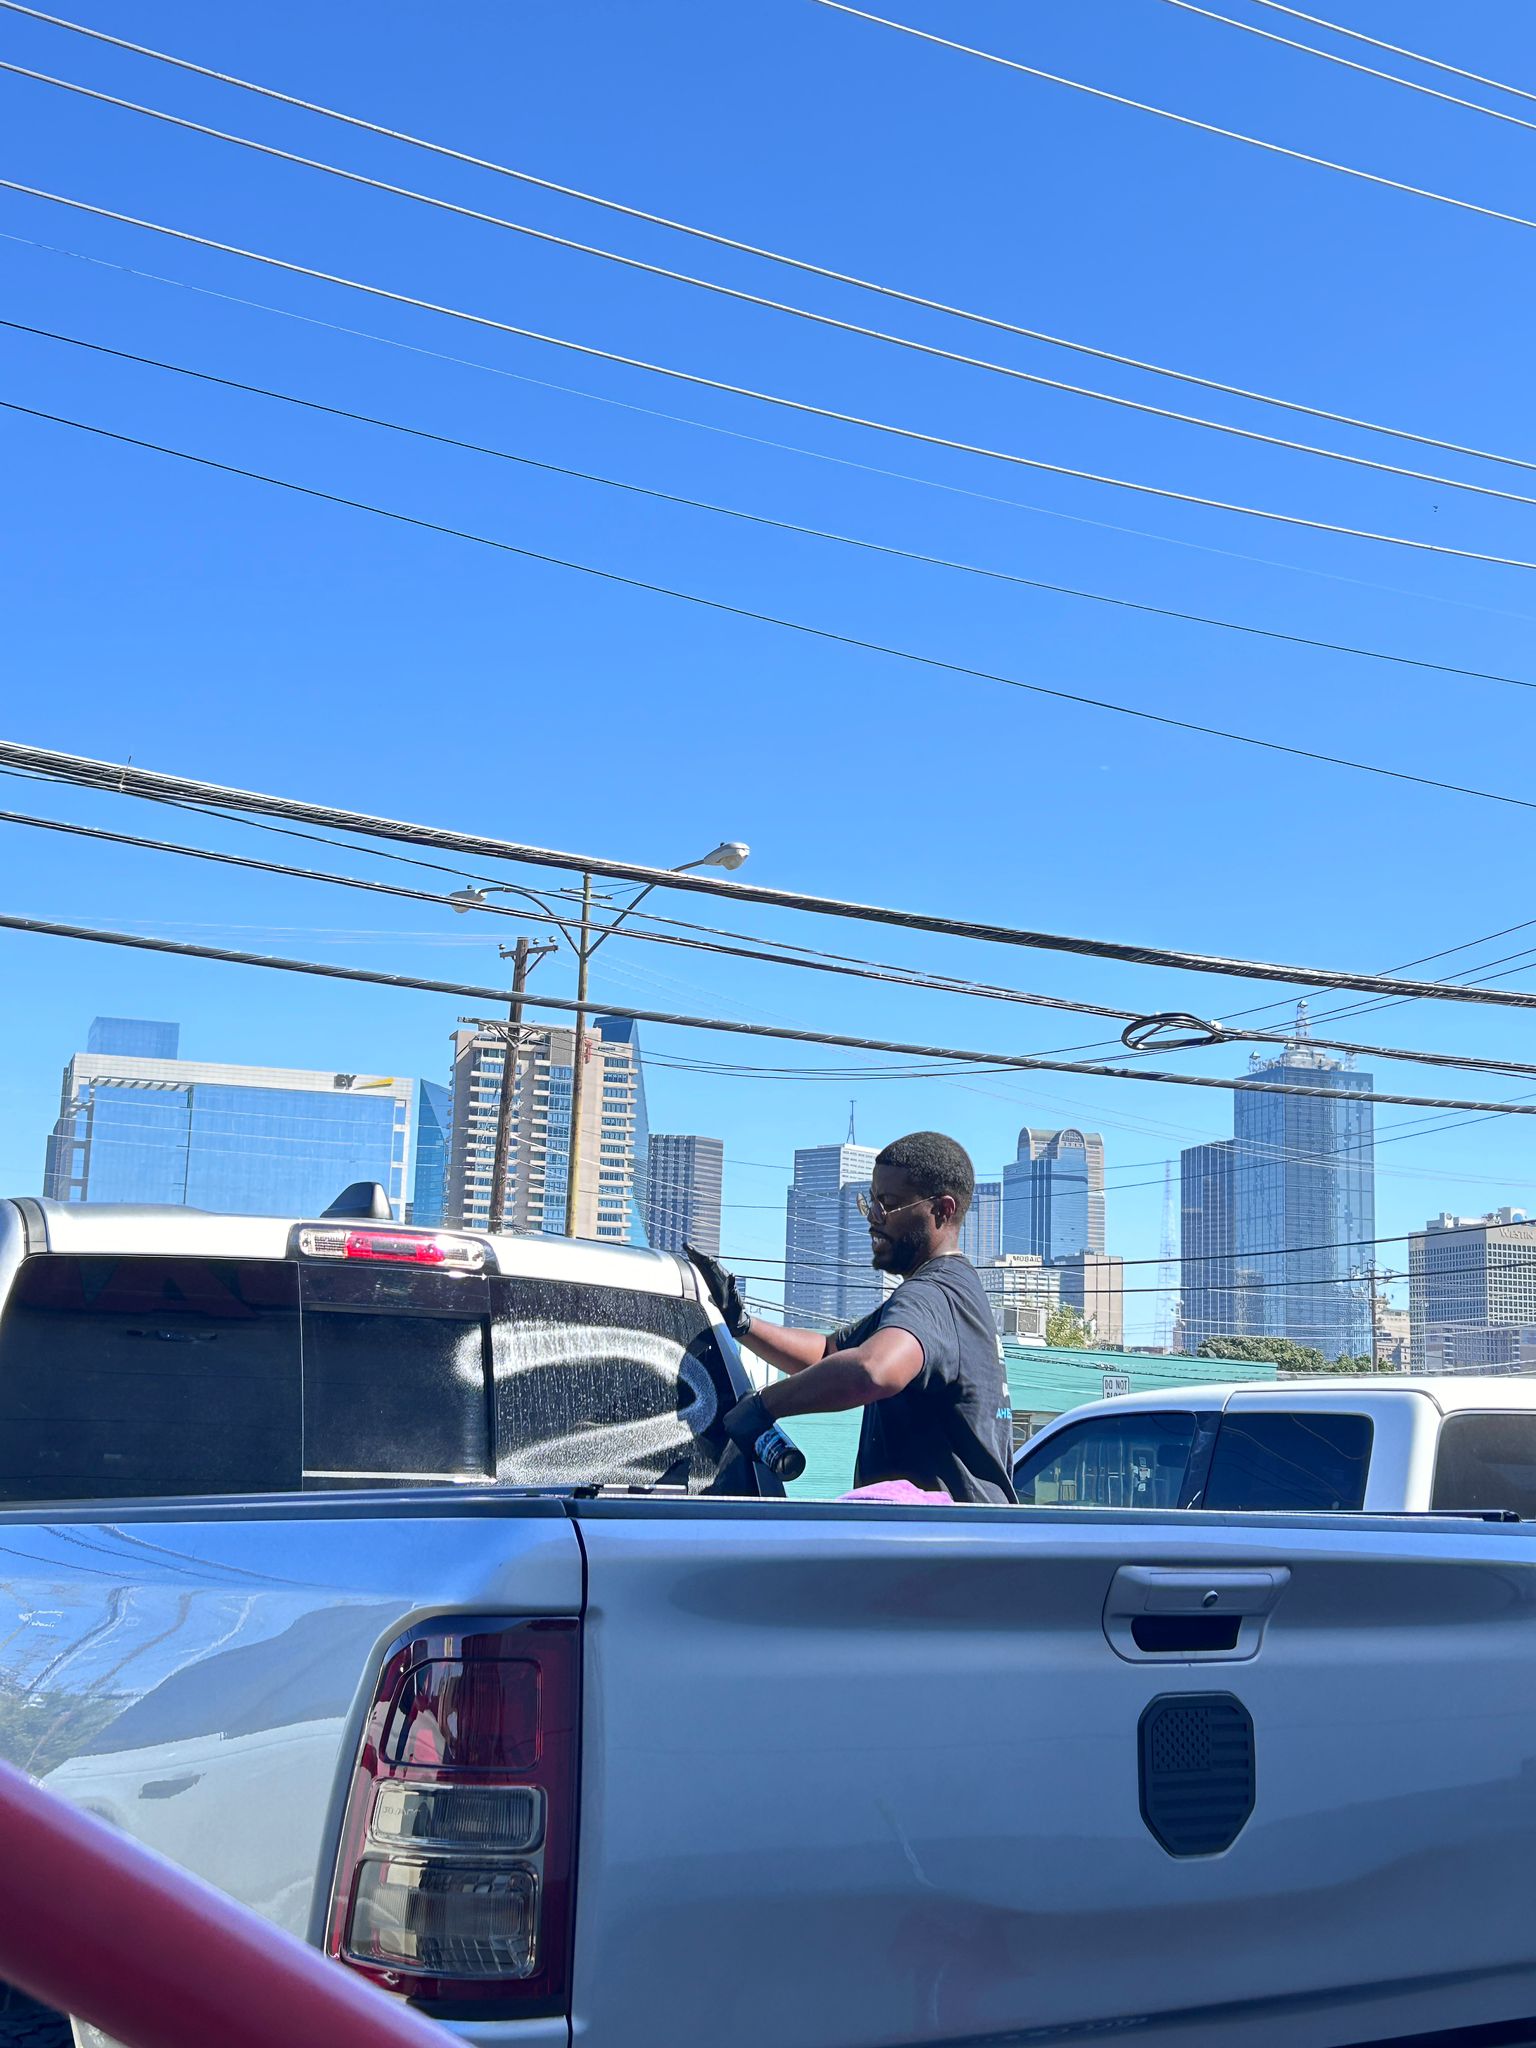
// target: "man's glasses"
[[873, 1210]]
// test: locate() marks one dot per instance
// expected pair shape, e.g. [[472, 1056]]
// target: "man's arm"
[[872, 1371]]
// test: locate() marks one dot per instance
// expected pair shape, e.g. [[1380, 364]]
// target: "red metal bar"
[[95, 1925]]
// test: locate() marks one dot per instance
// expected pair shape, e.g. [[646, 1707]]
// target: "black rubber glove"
[[724, 1292], [756, 1435]]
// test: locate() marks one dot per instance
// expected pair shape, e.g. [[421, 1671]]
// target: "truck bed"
[[859, 1774]]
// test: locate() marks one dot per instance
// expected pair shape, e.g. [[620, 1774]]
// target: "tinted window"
[[149, 1376], [1134, 1460], [604, 1385], [1301, 1462], [183, 1376], [1487, 1461], [396, 1375]]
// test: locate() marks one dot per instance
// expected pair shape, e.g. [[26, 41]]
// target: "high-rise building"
[[1391, 1342], [1022, 1290], [1094, 1284], [253, 1141], [134, 1037], [1213, 1304], [429, 1174], [538, 1151], [1053, 1195], [981, 1234], [684, 1183], [1471, 1290], [1304, 1202], [827, 1275]]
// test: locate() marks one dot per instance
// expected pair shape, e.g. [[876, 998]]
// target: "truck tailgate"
[[863, 1775], [197, 1673]]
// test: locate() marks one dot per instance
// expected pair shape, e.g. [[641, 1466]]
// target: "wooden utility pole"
[[578, 1059], [523, 956]]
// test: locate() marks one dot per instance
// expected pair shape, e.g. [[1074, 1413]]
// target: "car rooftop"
[[1447, 1390]]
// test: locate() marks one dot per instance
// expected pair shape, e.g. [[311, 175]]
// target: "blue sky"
[[211, 626]]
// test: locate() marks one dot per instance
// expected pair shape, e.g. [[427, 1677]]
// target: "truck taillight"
[[392, 1247], [453, 1886]]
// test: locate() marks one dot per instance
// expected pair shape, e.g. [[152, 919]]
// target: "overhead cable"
[[799, 405], [719, 429], [1119, 99], [51, 928], [762, 519], [724, 241], [894, 340], [864, 970], [799, 626], [1397, 49], [124, 779], [1351, 64]]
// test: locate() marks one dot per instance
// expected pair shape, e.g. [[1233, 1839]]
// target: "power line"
[[1397, 49], [153, 786], [1350, 63], [724, 241], [713, 604], [795, 1035], [760, 299], [695, 377], [822, 455], [753, 518], [1118, 99], [1282, 1286]]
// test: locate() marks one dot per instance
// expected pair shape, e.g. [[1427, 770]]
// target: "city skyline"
[[1297, 1304]]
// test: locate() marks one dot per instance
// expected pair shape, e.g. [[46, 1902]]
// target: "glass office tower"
[[1053, 1195], [255, 1141], [1304, 1206]]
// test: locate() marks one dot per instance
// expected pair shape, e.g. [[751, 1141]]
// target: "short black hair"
[[935, 1165]]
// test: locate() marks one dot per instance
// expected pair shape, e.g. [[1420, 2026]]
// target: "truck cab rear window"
[[1487, 1461], [126, 1377], [1289, 1462]]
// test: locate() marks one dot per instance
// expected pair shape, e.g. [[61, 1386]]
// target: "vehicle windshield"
[[124, 1377]]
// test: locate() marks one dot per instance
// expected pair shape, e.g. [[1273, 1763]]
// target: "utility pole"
[[578, 1058], [523, 956], [730, 854]]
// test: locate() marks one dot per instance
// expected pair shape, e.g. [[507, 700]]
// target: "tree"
[[1065, 1328], [1282, 1351], [1285, 1353]]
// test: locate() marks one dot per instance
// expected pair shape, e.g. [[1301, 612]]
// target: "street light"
[[729, 854]]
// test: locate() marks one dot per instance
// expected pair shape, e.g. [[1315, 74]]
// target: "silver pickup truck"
[[534, 1713]]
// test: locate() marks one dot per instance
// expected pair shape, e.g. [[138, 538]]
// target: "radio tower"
[[1167, 1285], [852, 1138]]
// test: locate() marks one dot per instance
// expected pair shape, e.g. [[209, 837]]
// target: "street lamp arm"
[[730, 853]]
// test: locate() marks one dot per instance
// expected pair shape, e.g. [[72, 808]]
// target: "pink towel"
[[896, 1489]]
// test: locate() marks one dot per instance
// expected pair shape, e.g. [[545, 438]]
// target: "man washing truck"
[[925, 1366]]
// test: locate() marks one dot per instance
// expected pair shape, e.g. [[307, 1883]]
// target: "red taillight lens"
[[454, 1882], [394, 1247]]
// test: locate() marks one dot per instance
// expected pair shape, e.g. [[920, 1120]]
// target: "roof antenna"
[[1303, 1019], [851, 1139]]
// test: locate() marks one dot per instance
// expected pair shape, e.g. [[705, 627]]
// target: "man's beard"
[[895, 1254]]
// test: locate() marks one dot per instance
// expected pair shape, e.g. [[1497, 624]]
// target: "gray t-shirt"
[[952, 1426]]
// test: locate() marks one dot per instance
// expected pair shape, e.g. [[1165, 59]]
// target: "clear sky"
[[216, 627]]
